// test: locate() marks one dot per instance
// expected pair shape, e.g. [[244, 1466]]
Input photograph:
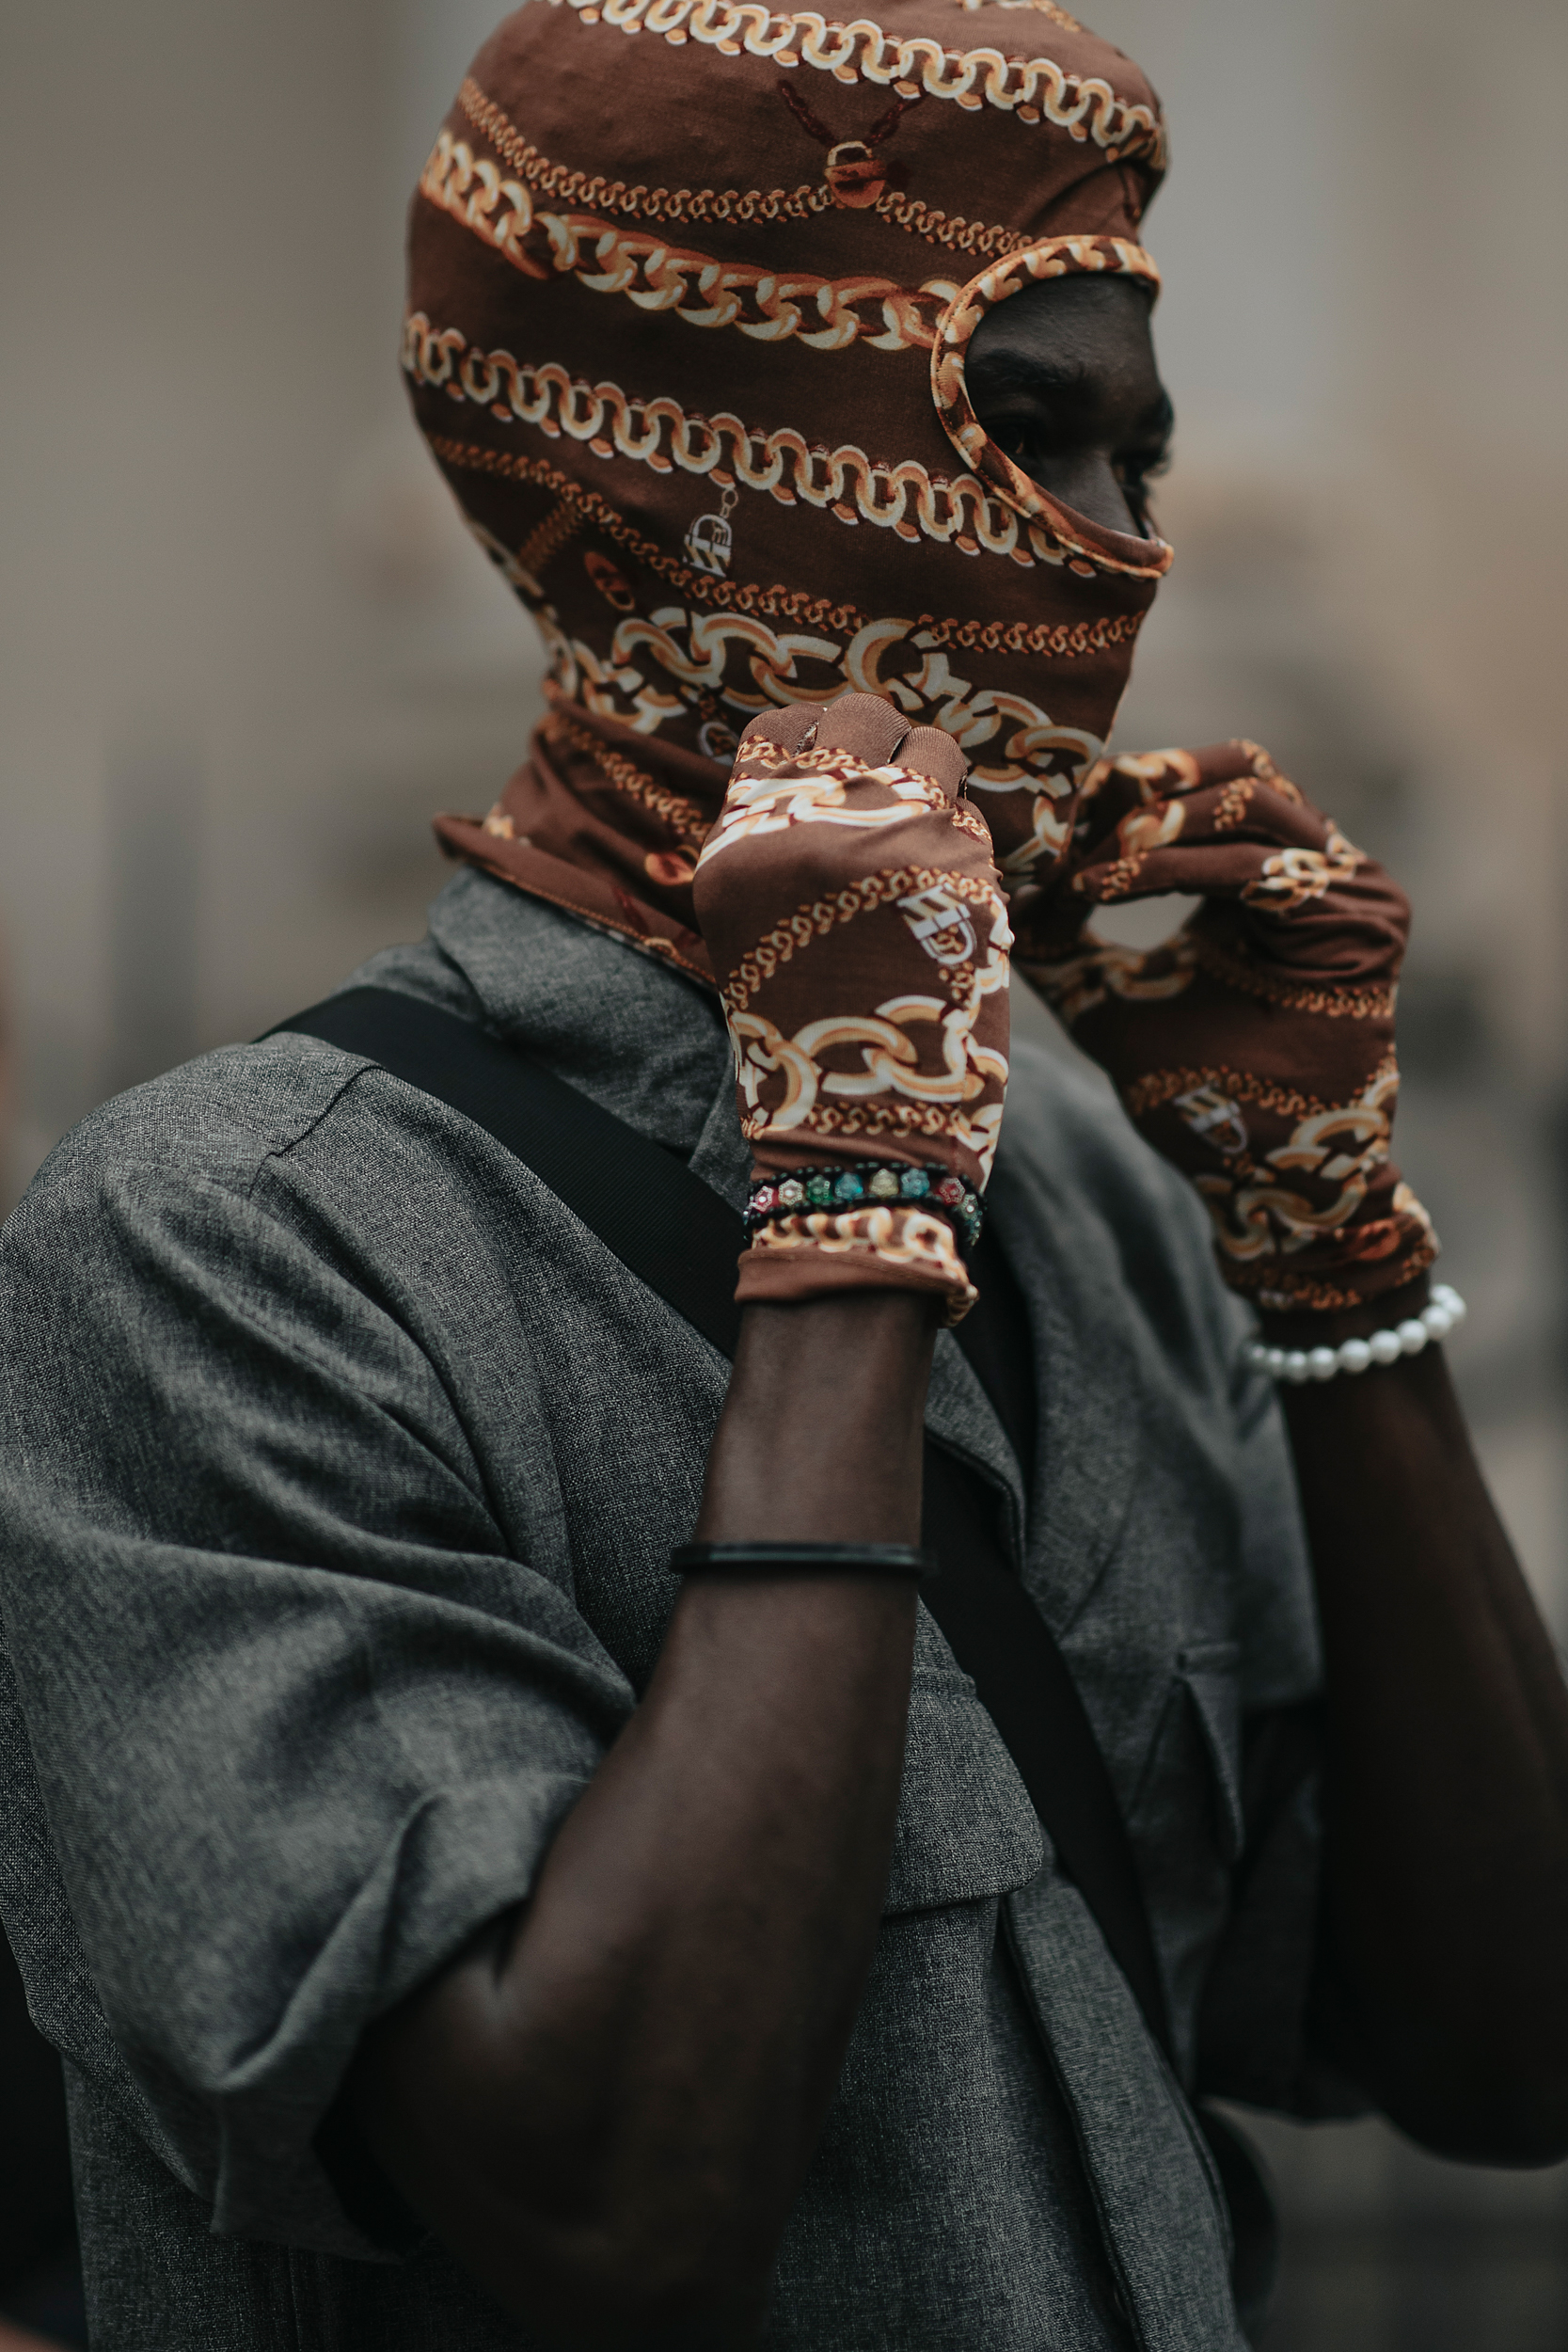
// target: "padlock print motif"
[[710, 543], [853, 907], [1256, 1048], [677, 346]]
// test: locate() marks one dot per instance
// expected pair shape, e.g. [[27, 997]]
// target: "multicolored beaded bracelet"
[[871, 1184]]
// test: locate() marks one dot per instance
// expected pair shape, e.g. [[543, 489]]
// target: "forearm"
[[1447, 1888], [607, 2115]]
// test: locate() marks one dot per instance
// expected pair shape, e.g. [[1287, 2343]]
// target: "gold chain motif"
[[1059, 641], [825, 313], [542, 545], [1147, 1094], [1353, 1002], [952, 231], [683, 816], [901, 497], [1036, 89], [893, 1236], [1044, 8], [818, 919]]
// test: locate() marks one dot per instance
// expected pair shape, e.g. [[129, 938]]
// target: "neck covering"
[[692, 286]]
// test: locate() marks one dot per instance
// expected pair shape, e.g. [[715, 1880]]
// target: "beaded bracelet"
[[1384, 1347], [871, 1184], [768, 1558]]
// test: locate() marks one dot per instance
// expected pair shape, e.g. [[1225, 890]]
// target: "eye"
[[1038, 445]]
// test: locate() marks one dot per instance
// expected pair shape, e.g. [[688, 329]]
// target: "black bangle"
[[804, 1559]]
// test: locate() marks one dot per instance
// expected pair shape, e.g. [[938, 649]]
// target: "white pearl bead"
[[1297, 1365]]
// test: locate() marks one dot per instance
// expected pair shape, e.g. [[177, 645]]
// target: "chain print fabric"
[[673, 350], [826, 313], [849, 900], [1058, 640], [1036, 89], [845, 482], [1256, 1049], [691, 204], [692, 360]]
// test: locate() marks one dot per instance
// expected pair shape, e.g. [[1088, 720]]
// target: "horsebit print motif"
[[848, 871], [675, 352], [1283, 1126]]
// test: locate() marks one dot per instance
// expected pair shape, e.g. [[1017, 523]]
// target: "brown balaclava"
[[691, 291]]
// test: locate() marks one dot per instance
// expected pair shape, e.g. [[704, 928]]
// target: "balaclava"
[[692, 286]]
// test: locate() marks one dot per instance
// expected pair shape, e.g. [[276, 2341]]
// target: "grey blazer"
[[338, 1472]]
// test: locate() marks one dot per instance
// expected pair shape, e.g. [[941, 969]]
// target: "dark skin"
[[606, 2105], [605, 2108], [1445, 1896], [1063, 377]]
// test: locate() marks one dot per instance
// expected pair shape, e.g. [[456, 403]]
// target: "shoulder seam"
[[281, 1151]]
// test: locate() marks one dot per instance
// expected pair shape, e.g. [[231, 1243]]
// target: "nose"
[[1086, 480]]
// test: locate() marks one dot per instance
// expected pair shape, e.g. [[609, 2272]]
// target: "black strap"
[[679, 1238]]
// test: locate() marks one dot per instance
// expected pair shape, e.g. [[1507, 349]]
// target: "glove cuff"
[[1366, 1260], [820, 1225]]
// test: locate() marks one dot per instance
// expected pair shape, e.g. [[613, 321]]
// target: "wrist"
[[823, 1218], [1327, 1327], [821, 1433]]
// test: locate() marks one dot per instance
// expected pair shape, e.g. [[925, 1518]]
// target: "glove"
[[849, 902], [1255, 1050]]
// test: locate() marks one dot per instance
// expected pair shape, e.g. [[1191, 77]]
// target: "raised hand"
[[851, 904], [1256, 1048]]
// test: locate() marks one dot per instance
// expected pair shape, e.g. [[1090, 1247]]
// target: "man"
[[467, 1916]]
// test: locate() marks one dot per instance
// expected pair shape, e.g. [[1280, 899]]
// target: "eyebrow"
[[1005, 372], [1019, 371]]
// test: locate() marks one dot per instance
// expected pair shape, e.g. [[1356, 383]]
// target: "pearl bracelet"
[[1384, 1347]]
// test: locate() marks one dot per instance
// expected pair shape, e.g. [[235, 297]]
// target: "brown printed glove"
[[850, 904], [1256, 1049]]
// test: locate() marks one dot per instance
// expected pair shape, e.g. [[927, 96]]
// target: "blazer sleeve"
[[296, 1720]]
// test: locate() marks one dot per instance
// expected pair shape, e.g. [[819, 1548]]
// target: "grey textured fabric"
[[338, 1473]]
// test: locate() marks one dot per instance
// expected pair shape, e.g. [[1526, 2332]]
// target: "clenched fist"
[[851, 904]]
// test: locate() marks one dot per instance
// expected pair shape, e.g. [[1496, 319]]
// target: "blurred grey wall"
[[245, 649]]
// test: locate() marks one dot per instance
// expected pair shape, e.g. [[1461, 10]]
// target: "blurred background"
[[246, 649]]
